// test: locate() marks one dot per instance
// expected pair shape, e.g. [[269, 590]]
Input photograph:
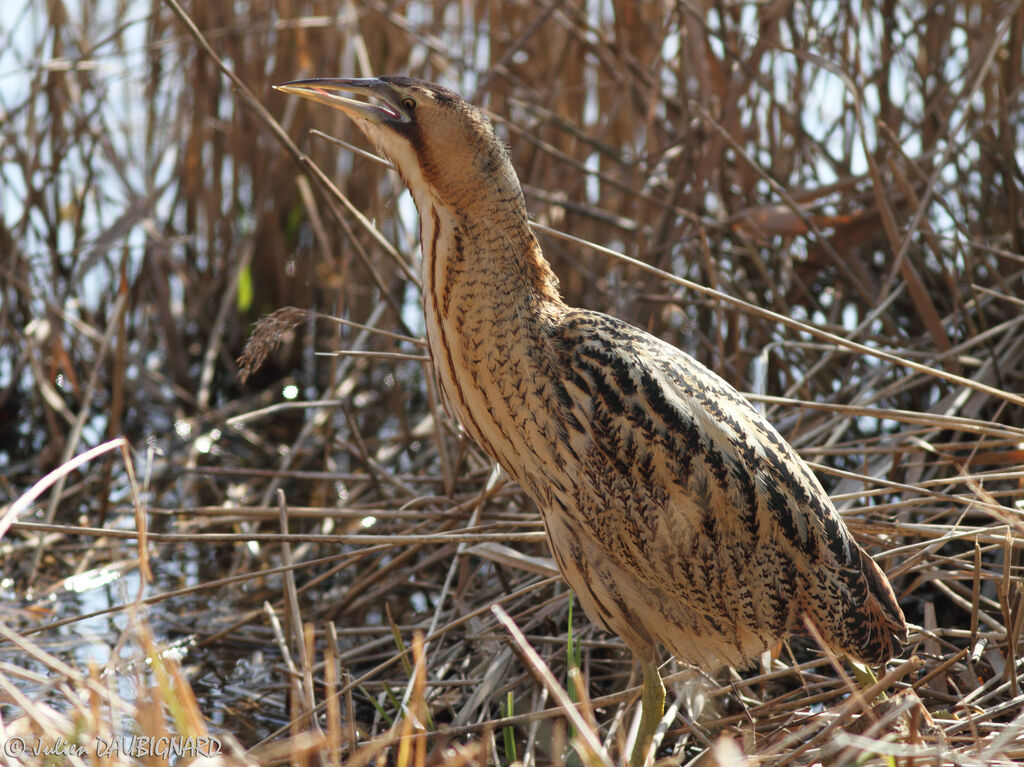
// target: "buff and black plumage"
[[675, 511]]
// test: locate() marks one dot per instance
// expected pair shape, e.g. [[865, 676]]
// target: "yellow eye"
[[409, 102]]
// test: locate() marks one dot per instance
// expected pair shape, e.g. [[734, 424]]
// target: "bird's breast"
[[488, 349]]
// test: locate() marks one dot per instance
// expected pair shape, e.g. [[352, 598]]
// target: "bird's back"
[[691, 522]]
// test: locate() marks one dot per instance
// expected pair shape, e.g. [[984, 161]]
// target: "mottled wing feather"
[[688, 490]]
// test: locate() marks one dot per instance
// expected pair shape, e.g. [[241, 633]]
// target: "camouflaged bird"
[[675, 511]]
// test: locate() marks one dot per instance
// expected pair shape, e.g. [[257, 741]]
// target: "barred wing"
[[686, 488]]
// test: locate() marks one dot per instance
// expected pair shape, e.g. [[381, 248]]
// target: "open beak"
[[326, 90]]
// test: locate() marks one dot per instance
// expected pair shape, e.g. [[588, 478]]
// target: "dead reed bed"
[[821, 201]]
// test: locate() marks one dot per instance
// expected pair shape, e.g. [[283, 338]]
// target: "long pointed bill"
[[326, 90]]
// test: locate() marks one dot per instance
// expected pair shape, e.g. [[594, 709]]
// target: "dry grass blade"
[[592, 751], [22, 504]]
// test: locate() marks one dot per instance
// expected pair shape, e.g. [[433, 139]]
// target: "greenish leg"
[[652, 707]]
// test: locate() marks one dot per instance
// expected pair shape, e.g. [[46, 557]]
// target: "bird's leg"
[[652, 707]]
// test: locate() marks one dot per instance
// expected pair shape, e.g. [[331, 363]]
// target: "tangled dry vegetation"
[[316, 566]]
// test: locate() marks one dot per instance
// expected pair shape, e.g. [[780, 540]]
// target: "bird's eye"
[[409, 102]]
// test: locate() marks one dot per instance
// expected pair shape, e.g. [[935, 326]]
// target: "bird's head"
[[444, 148]]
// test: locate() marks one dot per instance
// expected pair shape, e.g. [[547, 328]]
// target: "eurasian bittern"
[[675, 511]]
